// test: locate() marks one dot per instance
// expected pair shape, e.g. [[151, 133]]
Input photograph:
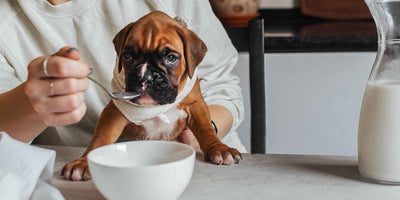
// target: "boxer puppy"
[[156, 57]]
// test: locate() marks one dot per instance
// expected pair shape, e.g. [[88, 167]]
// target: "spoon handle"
[[105, 89]]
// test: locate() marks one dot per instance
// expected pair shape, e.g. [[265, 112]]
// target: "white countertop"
[[255, 177]]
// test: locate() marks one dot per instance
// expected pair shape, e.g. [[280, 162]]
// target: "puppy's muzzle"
[[149, 82], [151, 78]]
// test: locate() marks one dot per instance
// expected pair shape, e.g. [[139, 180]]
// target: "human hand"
[[187, 137], [58, 95]]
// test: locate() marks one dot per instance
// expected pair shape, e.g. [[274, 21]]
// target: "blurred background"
[[318, 55]]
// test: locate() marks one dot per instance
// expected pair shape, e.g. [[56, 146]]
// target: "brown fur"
[[153, 32]]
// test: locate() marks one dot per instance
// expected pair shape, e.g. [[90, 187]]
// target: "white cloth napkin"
[[26, 171]]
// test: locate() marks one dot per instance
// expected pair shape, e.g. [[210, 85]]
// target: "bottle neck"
[[387, 63], [386, 15]]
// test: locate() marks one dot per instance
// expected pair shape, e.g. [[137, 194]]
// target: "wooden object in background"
[[340, 28], [335, 9]]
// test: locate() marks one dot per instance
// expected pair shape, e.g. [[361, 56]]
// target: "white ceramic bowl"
[[142, 169]]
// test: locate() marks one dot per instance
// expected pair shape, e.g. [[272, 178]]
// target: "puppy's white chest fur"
[[163, 127]]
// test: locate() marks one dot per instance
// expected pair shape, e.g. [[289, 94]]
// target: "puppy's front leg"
[[213, 149], [109, 127]]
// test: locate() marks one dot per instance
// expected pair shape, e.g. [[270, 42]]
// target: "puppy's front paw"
[[77, 170], [223, 155]]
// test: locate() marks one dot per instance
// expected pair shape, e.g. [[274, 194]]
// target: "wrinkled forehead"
[[154, 35]]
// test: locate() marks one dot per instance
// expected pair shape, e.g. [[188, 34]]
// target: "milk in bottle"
[[379, 132]]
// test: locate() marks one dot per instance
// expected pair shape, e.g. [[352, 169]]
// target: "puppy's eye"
[[128, 56], [171, 58]]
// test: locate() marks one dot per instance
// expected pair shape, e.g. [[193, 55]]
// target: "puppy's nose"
[[148, 80]]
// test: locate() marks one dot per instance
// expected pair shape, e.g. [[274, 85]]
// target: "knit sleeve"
[[218, 85]]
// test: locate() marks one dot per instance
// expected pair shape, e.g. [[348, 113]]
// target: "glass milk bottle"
[[379, 126]]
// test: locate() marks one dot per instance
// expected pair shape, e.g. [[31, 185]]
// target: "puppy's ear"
[[194, 49], [119, 41]]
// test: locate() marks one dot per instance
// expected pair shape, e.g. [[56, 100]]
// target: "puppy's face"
[[157, 55]]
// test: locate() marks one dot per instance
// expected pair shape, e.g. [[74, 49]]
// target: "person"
[[56, 105]]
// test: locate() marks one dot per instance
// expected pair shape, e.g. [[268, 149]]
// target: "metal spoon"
[[117, 95]]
